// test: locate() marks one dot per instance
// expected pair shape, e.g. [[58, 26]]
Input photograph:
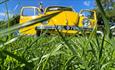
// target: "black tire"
[[38, 32]]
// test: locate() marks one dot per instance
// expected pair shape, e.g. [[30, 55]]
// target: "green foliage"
[[52, 53], [109, 8]]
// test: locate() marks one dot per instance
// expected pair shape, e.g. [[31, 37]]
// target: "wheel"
[[38, 32]]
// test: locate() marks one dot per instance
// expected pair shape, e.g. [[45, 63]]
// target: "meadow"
[[58, 53]]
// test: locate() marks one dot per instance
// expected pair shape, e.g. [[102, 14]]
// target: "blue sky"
[[14, 6]]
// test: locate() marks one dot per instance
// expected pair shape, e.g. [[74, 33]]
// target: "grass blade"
[[29, 23], [28, 65]]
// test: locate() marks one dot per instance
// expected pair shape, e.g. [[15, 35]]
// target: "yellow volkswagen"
[[67, 21]]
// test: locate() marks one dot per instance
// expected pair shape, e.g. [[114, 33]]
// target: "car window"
[[88, 14], [30, 12], [55, 8]]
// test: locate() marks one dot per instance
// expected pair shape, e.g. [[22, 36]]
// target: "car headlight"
[[86, 23]]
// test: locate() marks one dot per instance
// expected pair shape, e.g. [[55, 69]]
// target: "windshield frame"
[[31, 7]]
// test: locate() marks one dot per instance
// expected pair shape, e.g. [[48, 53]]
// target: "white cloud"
[[2, 14], [87, 3]]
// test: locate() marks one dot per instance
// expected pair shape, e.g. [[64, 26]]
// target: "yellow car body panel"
[[30, 30], [64, 18]]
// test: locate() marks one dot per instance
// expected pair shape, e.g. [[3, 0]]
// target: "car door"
[[27, 14]]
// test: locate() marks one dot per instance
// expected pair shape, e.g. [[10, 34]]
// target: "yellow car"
[[68, 21]]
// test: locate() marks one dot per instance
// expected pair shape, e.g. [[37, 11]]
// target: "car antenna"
[[41, 7]]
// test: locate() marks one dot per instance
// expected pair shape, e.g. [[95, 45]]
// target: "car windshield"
[[30, 12], [88, 14], [55, 8]]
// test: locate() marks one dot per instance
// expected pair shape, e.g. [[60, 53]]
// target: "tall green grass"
[[53, 53], [56, 52]]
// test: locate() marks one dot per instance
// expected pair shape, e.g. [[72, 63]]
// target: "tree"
[[107, 4], [109, 7], [14, 20]]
